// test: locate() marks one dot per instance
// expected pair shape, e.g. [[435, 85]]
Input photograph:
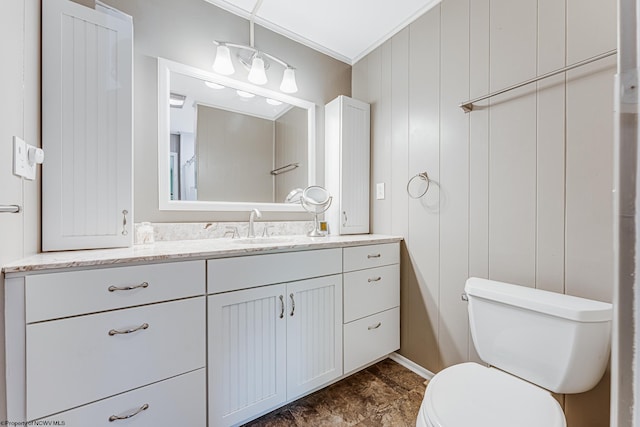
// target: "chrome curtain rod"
[[468, 105]]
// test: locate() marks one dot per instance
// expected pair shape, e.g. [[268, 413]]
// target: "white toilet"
[[535, 342]]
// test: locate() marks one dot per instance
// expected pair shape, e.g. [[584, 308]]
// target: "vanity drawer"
[[371, 338], [57, 295], [361, 257], [230, 274], [371, 291], [74, 361], [179, 401]]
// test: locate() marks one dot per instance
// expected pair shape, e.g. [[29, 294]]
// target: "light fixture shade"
[[244, 94], [274, 102], [213, 85], [289, 81], [257, 74], [222, 63]]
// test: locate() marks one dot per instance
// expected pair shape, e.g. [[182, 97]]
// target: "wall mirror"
[[226, 145]]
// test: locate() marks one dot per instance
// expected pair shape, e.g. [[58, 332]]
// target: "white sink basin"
[[262, 240]]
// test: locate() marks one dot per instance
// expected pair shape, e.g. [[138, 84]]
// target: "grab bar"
[[10, 208], [286, 168]]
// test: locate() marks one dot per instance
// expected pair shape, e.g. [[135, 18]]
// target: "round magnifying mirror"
[[316, 195], [316, 200]]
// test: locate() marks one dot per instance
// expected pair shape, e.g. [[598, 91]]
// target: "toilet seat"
[[470, 394]]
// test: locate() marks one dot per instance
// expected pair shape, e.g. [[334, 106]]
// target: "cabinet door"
[[354, 197], [247, 372], [86, 128], [314, 333]]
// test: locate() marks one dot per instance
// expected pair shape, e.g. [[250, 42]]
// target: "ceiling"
[[344, 29]]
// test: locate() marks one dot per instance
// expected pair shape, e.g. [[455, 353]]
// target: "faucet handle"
[[233, 230], [265, 232]]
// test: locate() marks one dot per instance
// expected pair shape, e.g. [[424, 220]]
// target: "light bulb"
[[289, 81], [222, 63], [257, 74]]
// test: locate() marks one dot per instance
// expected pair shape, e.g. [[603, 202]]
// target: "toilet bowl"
[[534, 343]]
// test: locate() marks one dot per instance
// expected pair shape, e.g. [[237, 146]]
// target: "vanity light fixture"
[[244, 94], [213, 85], [176, 100], [256, 61], [275, 102]]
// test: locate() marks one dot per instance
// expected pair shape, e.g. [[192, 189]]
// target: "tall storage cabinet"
[[86, 127], [347, 153]]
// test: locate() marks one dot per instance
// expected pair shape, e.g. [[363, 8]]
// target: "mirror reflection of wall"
[[228, 145], [183, 176]]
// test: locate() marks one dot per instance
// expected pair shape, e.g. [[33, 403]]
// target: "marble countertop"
[[187, 249]]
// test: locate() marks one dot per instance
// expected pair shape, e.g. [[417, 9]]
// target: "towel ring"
[[423, 176]]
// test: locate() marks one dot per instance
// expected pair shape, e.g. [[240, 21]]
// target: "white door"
[[314, 333], [355, 146], [247, 360], [86, 128]]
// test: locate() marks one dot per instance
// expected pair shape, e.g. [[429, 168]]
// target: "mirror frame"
[[165, 68]]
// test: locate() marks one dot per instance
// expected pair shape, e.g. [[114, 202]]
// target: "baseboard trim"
[[412, 366]]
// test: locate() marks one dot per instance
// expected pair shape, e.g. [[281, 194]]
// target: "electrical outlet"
[[380, 191]]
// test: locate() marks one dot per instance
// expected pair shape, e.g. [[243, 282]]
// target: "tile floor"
[[384, 394]]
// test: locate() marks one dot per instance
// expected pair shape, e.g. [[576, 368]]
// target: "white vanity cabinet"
[[273, 342], [91, 335], [347, 153], [214, 342], [371, 303]]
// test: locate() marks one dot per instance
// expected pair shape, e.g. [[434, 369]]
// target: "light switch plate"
[[19, 157], [21, 165], [380, 191]]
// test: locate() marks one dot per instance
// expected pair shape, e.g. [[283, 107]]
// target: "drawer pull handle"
[[128, 288], [113, 332], [281, 306], [124, 222], [293, 305], [373, 256], [375, 326], [126, 417], [375, 279]]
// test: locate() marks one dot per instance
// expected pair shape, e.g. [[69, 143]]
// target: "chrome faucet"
[[254, 214]]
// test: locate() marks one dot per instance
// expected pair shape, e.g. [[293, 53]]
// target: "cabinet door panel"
[[247, 332], [86, 128], [354, 199], [314, 333]]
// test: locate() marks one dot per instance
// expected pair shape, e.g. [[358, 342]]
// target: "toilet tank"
[[556, 341]]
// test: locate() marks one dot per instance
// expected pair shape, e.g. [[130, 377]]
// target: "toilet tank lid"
[[554, 304]]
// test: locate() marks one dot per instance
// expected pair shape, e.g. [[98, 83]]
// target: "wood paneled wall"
[[521, 186]]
